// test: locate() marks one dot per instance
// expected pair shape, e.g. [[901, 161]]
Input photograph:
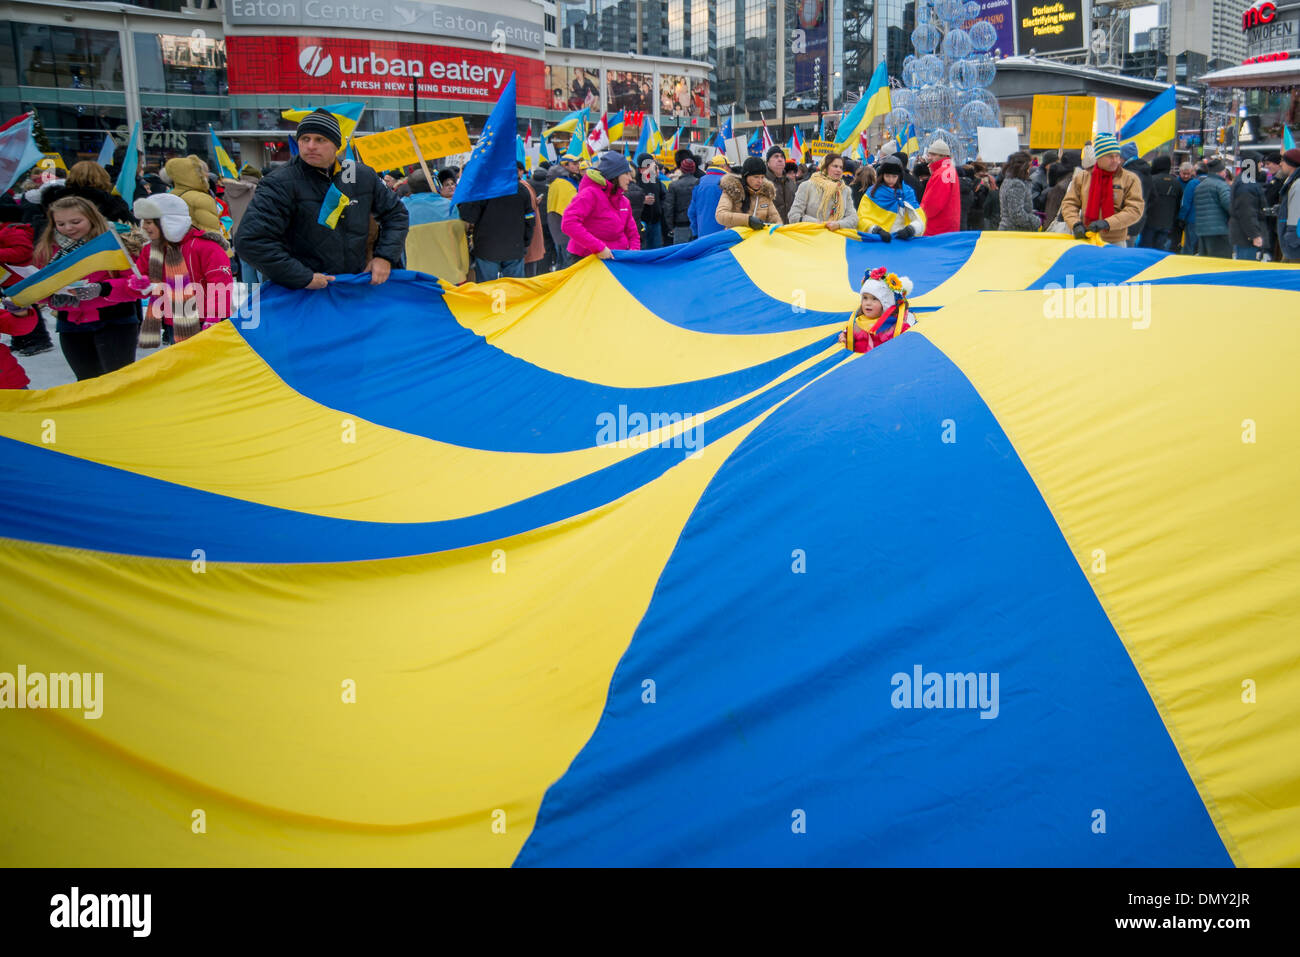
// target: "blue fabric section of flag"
[[490, 171], [761, 723], [48, 505], [1098, 264], [437, 379], [705, 276], [929, 263], [1247, 278]]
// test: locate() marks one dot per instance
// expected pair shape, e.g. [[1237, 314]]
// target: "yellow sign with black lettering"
[[816, 149], [394, 148], [1061, 122]]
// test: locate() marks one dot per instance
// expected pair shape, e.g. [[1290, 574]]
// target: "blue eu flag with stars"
[[490, 171]]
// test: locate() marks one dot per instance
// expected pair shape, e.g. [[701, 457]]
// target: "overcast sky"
[[1142, 18]]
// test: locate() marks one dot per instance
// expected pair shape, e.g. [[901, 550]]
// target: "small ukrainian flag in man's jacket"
[[331, 208]]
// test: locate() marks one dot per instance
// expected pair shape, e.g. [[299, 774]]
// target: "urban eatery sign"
[[344, 66]]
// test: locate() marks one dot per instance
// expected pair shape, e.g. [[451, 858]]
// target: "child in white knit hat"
[[882, 314]]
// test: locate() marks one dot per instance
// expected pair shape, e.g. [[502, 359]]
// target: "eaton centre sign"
[[517, 22]]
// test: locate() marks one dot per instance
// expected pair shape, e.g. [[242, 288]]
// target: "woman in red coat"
[[185, 270], [942, 200]]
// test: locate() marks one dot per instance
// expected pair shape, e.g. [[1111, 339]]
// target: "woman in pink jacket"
[[186, 271], [599, 218], [98, 316]]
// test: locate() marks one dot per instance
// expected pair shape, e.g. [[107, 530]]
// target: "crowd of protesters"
[[191, 234]]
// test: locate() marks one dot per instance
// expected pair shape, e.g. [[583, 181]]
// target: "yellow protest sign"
[[816, 149], [394, 148], [1057, 116], [52, 161]]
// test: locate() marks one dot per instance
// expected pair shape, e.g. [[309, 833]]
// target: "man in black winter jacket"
[[677, 201], [281, 234], [1162, 208], [500, 231], [1142, 170]]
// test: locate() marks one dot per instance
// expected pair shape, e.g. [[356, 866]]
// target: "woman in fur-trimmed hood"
[[748, 199]]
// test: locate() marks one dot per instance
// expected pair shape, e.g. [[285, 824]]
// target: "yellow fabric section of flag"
[[640, 350], [1179, 506], [433, 741], [275, 447]]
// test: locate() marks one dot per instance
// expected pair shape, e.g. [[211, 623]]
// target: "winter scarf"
[[167, 266], [831, 196], [1101, 196]]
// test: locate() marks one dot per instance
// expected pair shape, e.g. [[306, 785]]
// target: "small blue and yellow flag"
[[332, 207], [614, 125], [570, 124], [104, 252], [224, 163], [1153, 125], [875, 102]]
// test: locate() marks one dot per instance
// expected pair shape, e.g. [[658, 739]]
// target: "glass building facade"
[[739, 38]]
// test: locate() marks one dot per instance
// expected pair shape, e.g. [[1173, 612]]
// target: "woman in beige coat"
[[825, 197], [748, 199]]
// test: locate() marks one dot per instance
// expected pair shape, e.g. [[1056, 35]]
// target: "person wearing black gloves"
[[748, 199], [1105, 200]]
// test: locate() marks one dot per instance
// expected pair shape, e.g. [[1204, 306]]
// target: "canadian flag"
[[598, 138]]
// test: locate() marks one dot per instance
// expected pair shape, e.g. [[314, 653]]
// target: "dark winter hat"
[[753, 166], [1292, 158], [1273, 157], [774, 151], [687, 165], [539, 175], [322, 122], [1160, 164], [613, 164], [682, 154], [891, 165], [901, 157], [643, 158], [1214, 166]]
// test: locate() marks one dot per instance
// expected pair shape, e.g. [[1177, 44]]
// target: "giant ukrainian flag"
[[1154, 125], [875, 102], [478, 598]]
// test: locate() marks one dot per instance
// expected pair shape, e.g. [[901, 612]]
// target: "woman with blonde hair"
[[90, 181], [825, 197], [98, 322]]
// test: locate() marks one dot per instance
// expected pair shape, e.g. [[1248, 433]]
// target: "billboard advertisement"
[[681, 98], [343, 68], [808, 44], [629, 90], [1049, 27], [571, 88], [1002, 14]]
